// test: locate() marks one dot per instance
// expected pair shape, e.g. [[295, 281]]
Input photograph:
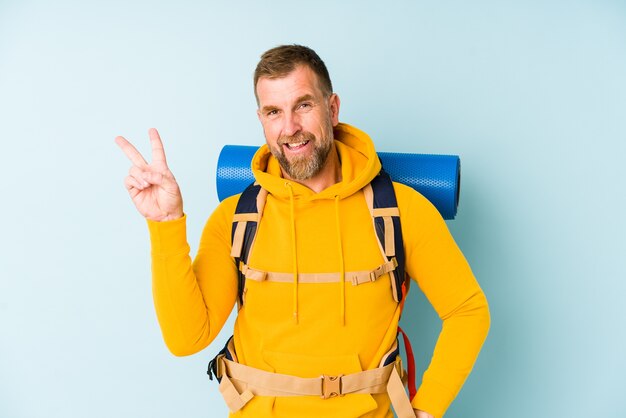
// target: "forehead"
[[300, 82]]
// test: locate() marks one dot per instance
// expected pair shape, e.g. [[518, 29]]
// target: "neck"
[[329, 175]]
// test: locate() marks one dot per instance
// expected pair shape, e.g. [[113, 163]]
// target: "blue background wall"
[[531, 95]]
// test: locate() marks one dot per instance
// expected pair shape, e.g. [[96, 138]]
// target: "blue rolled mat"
[[437, 177]]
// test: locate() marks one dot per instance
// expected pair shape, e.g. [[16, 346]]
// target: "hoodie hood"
[[359, 165]]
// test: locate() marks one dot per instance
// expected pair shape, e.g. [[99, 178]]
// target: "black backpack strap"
[[245, 221], [386, 215], [228, 352]]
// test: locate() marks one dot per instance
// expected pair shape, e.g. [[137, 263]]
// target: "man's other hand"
[[152, 187], [422, 414]]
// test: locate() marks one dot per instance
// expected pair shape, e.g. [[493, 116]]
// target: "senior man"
[[301, 312]]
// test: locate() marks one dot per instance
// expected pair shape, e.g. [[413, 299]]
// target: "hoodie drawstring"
[[342, 274], [294, 251]]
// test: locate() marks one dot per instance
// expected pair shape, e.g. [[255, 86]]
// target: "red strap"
[[411, 364]]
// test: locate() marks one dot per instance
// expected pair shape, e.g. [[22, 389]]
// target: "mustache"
[[299, 137]]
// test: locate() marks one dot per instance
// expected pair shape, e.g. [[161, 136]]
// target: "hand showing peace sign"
[[152, 187]]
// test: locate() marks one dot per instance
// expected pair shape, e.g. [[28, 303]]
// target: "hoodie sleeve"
[[193, 300], [434, 260]]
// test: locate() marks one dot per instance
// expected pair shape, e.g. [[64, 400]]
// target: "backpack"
[[383, 206]]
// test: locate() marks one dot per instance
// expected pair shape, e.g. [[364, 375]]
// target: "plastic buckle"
[[331, 386], [377, 272]]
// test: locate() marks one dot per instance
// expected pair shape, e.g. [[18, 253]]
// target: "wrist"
[[172, 216], [167, 216]]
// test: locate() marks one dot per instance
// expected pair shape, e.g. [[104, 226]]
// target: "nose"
[[291, 124]]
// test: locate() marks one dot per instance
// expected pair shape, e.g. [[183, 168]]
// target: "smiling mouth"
[[296, 145]]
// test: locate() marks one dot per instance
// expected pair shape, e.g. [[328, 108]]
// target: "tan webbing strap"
[[394, 288], [234, 400], [385, 212], [245, 217], [253, 274], [390, 244], [240, 230], [398, 396], [354, 277], [260, 201]]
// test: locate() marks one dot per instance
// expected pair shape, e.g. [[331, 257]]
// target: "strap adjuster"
[[331, 386], [377, 272]]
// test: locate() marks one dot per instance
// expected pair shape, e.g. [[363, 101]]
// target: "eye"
[[305, 105], [272, 113]]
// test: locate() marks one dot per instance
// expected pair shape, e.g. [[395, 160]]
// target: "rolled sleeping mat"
[[437, 177]]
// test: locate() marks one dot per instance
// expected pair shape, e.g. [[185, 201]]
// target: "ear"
[[333, 105], [258, 115]]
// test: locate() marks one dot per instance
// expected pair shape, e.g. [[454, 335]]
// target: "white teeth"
[[296, 144]]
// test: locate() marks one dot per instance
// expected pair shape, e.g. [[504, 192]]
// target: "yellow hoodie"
[[310, 329]]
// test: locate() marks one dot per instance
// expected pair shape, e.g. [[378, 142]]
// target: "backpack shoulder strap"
[[381, 201], [245, 221]]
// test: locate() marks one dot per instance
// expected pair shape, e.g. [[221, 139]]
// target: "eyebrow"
[[304, 98], [266, 109]]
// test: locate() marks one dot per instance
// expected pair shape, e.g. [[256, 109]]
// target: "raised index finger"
[[158, 153], [131, 152]]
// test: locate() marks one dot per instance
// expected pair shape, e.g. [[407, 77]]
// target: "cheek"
[[312, 124], [270, 132]]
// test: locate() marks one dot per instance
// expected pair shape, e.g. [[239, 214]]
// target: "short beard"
[[304, 167]]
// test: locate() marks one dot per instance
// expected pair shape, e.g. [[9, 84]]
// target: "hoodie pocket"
[[303, 365]]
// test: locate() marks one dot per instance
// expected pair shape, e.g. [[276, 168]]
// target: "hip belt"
[[240, 383]]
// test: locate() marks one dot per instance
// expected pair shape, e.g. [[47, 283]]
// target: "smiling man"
[[318, 292]]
